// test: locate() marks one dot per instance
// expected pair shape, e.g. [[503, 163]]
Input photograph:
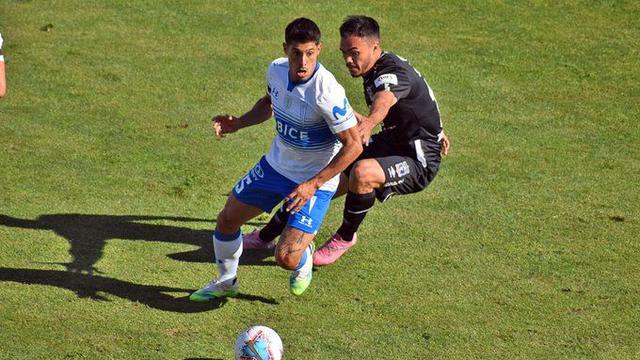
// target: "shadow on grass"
[[90, 286], [88, 234]]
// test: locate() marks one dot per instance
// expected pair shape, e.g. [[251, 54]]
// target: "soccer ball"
[[259, 343]]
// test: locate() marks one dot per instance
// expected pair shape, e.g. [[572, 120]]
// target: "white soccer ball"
[[259, 343]]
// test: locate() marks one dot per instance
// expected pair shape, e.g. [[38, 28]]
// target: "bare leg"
[[289, 250], [366, 175], [294, 253], [235, 214]]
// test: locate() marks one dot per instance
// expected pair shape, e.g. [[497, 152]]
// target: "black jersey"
[[415, 116]]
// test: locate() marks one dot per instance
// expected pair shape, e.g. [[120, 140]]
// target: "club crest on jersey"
[[386, 80], [399, 169], [402, 169], [257, 172]]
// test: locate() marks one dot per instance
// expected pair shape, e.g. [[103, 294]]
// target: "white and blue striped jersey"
[[308, 114]]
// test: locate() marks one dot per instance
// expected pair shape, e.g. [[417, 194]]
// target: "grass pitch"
[[525, 246]]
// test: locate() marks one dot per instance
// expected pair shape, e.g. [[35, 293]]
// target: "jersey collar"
[[293, 84]]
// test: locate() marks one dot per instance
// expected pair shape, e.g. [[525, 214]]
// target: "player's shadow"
[[92, 286], [88, 234]]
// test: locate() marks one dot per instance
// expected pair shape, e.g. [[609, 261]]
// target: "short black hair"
[[360, 26], [301, 30]]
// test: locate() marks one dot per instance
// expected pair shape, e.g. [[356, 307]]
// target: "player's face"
[[359, 54], [303, 58]]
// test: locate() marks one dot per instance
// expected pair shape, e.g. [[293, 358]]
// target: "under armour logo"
[[306, 221]]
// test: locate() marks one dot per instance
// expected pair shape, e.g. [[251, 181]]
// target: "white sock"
[[228, 249]]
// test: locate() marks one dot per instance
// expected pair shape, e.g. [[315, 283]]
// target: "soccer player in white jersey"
[[316, 140], [403, 158]]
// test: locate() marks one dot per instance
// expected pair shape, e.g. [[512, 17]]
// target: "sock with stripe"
[[356, 207]]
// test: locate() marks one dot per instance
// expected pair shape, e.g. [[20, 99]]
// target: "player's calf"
[[227, 223], [294, 252], [287, 261], [291, 247], [288, 257]]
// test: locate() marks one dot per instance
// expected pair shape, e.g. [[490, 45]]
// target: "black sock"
[[355, 209], [274, 228]]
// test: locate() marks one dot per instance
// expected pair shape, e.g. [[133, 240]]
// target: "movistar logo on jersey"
[[342, 111]]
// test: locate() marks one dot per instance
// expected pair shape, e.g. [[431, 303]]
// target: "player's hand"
[[300, 195], [224, 124], [365, 128], [358, 116], [445, 145]]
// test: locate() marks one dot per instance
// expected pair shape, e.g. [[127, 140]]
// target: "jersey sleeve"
[[1, 54], [268, 77], [335, 109], [394, 79]]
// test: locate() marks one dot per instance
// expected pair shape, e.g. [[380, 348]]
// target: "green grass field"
[[526, 245]]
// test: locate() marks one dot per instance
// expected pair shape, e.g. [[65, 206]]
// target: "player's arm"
[[351, 149], [382, 102], [226, 124]]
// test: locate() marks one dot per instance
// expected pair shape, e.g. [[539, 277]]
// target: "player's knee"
[[286, 260], [361, 176]]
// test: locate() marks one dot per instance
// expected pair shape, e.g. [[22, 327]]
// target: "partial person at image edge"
[[3, 79]]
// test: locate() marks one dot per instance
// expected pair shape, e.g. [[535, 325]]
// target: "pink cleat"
[[252, 241], [330, 251]]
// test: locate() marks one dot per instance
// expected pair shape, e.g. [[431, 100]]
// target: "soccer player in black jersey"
[[401, 159]]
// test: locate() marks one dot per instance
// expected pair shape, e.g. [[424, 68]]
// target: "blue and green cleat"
[[300, 279], [216, 289]]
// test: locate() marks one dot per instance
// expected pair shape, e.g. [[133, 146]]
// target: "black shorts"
[[404, 173]]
